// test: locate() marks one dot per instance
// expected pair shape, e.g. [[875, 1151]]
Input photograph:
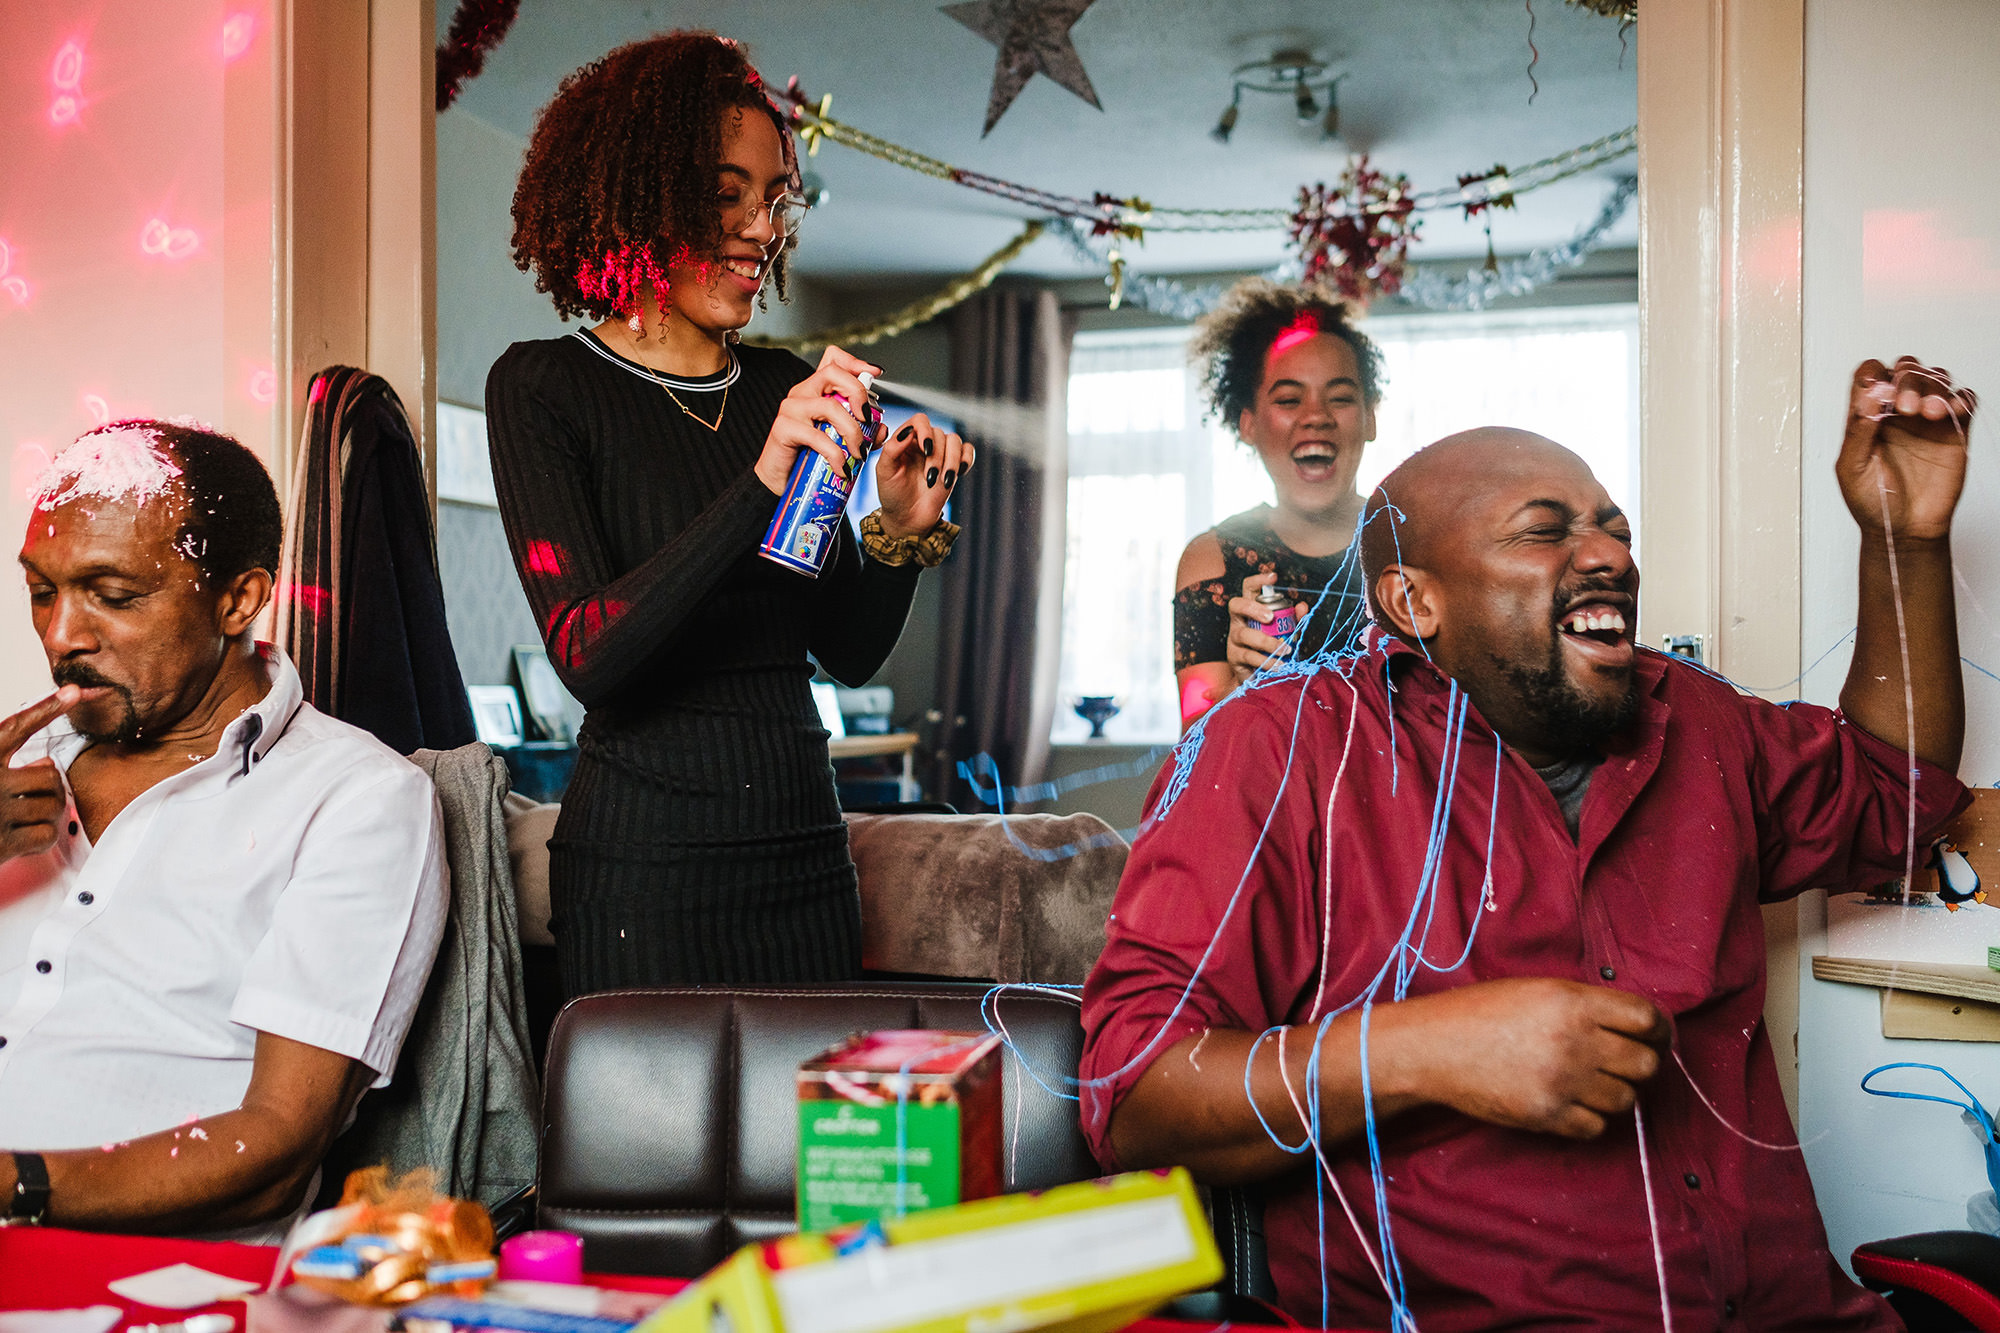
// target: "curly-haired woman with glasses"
[[637, 463]]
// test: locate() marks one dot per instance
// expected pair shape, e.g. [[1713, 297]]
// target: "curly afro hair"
[[620, 177], [1235, 337]]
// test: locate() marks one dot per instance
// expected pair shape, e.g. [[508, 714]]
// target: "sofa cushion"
[[1011, 898]]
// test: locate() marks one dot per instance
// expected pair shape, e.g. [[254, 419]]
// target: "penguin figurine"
[[1957, 882]]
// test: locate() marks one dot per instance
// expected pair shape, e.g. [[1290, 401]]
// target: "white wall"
[[1901, 254], [484, 302], [138, 223]]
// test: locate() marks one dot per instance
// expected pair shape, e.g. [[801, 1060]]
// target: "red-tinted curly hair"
[[1233, 340], [620, 177]]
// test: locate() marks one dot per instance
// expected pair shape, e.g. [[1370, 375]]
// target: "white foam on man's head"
[[125, 462]]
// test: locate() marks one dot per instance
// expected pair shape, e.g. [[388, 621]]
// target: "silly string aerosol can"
[[815, 500], [1287, 618]]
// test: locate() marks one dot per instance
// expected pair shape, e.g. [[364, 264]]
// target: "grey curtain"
[[1000, 618]]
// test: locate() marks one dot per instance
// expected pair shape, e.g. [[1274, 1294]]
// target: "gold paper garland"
[[917, 312]]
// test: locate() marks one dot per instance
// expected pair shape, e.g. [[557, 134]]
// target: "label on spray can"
[[802, 532], [1286, 620]]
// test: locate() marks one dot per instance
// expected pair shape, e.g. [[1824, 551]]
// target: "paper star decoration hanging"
[[1032, 36]]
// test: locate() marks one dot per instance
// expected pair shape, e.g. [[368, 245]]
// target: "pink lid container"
[[543, 1256]]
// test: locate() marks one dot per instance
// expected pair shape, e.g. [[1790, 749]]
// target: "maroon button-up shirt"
[[1709, 804]]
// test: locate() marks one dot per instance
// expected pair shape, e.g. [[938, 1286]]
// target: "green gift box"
[[897, 1122]]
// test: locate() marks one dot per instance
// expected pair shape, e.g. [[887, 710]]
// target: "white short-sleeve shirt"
[[294, 883]]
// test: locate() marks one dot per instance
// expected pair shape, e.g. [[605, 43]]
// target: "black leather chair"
[[669, 1117]]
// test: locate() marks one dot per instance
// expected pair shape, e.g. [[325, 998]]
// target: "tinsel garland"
[[476, 28], [1110, 215], [863, 332], [1429, 288], [1480, 287], [1176, 300]]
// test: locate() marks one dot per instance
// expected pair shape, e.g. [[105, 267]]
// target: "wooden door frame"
[[1721, 177], [357, 215]]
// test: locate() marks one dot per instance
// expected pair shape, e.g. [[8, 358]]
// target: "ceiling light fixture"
[[1293, 71]]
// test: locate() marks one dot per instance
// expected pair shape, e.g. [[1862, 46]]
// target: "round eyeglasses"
[[786, 212]]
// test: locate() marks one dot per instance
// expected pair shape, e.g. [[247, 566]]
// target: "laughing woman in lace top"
[[637, 463], [1300, 384]]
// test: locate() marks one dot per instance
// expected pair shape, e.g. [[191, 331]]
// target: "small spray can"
[[801, 534], [1287, 618]]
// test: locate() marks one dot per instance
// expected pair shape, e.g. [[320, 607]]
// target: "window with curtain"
[[1146, 472]]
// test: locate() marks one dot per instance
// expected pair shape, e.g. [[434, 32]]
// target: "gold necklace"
[[660, 380], [690, 412]]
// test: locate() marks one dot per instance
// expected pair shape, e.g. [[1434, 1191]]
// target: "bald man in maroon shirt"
[[1517, 860]]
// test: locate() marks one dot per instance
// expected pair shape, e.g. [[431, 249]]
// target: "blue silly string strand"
[[1989, 1139], [904, 1080]]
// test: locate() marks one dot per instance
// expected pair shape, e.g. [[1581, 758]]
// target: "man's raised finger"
[[37, 779], [14, 731], [29, 811]]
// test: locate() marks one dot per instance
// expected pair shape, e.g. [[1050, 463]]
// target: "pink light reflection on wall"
[[238, 31], [1917, 253], [175, 243], [262, 386], [100, 411], [66, 77], [67, 73], [13, 284], [25, 469]]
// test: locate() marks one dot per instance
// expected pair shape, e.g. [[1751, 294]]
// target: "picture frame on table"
[[496, 714], [542, 692]]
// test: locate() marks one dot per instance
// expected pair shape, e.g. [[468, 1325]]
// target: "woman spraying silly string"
[[638, 465]]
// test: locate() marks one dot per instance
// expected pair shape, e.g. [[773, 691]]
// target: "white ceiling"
[[1435, 88]]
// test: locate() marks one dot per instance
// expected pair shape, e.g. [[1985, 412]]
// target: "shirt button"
[[1693, 1180], [86, 897], [3, 1041], [45, 967], [73, 827], [1729, 1309], [1608, 972]]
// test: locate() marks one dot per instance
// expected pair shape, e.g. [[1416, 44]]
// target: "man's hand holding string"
[[1537, 1053], [1901, 469]]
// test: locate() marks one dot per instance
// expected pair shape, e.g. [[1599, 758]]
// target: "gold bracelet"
[[927, 550]]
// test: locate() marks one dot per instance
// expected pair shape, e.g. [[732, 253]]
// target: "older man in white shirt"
[[218, 906]]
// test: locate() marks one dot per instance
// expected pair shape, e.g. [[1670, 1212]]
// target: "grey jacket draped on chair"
[[463, 1098]]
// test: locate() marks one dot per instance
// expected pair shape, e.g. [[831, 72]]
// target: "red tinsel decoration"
[[1358, 232], [476, 28]]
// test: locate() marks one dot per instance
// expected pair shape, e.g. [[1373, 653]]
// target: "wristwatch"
[[31, 1190]]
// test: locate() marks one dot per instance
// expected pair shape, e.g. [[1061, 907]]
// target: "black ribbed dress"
[[700, 839]]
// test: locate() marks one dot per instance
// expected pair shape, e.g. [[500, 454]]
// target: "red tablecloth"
[[45, 1268]]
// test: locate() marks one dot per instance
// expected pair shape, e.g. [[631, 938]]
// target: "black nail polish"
[[949, 478], [927, 448], [904, 434], [930, 477]]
